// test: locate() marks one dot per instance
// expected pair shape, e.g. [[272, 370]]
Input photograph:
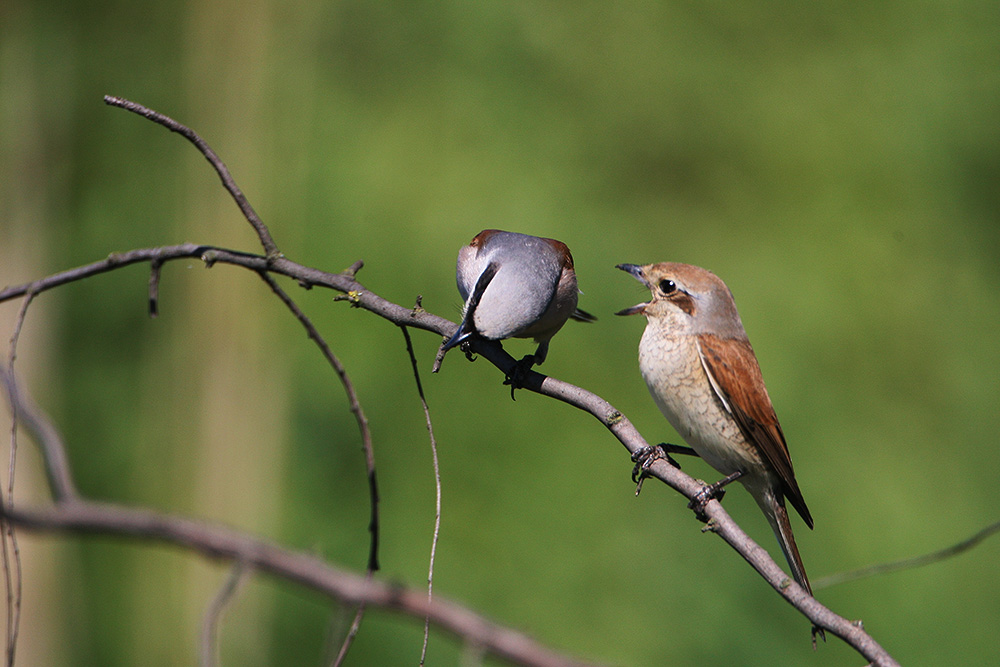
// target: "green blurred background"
[[836, 163]]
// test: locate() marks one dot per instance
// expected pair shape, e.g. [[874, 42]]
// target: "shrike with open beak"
[[703, 374], [515, 286]]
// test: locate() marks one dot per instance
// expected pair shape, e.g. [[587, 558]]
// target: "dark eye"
[[668, 286]]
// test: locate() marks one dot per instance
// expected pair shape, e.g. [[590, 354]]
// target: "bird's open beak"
[[636, 271]]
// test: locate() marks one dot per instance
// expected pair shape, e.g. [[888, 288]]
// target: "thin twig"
[[355, 407], [270, 249], [907, 563], [210, 622], [154, 287], [437, 485], [13, 575], [366, 444], [46, 436], [352, 632]]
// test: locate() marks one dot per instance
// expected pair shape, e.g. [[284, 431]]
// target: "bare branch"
[[217, 541], [13, 576], [270, 249], [366, 443]]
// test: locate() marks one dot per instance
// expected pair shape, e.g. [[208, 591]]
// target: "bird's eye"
[[668, 286]]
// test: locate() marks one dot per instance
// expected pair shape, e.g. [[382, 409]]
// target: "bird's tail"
[[777, 516], [773, 506], [467, 327]]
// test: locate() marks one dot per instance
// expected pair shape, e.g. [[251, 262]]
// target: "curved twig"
[[437, 483], [270, 248], [907, 563]]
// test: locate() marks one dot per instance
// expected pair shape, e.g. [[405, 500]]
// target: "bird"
[[515, 286], [703, 374]]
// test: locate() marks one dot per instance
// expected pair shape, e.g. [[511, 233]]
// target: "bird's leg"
[[677, 449], [644, 458], [711, 492], [520, 372]]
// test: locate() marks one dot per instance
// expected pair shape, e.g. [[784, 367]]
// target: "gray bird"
[[515, 286]]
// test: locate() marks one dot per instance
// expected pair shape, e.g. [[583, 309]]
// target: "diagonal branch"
[[616, 422]]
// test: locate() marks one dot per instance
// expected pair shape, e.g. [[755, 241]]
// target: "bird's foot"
[[817, 632], [466, 347], [709, 492], [644, 458], [517, 377]]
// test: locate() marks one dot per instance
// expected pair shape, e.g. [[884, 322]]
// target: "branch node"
[[418, 307], [154, 287], [209, 257], [613, 417], [353, 269], [353, 297]]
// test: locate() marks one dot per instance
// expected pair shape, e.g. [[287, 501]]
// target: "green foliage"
[[837, 164]]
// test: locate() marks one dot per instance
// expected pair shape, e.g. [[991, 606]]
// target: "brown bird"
[[702, 372]]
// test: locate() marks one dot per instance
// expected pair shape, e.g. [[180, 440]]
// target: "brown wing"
[[732, 367]]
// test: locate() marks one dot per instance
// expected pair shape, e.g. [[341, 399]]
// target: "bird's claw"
[[517, 377], [644, 458], [710, 492], [466, 347], [707, 493]]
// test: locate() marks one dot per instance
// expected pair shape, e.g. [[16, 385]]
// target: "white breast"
[[672, 368]]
